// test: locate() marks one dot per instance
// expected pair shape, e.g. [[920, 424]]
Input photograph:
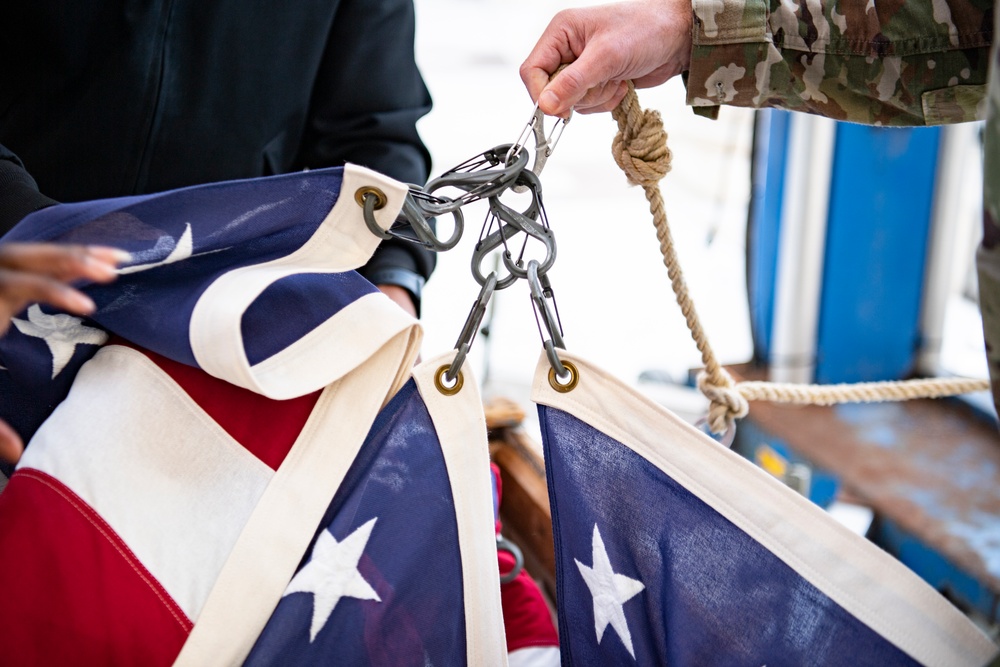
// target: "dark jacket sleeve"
[[365, 105], [19, 194]]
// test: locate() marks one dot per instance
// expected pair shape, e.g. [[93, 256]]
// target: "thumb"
[[571, 83]]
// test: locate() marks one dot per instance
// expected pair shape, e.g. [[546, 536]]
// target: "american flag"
[[233, 459], [677, 551]]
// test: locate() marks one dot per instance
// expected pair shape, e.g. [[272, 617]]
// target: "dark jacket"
[[116, 97]]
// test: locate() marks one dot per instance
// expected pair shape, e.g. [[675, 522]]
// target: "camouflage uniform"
[[897, 63]]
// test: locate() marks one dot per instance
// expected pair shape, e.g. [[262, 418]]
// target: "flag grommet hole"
[[441, 382], [563, 384], [362, 193]]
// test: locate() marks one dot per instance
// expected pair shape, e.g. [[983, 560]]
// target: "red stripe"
[[265, 427], [72, 591]]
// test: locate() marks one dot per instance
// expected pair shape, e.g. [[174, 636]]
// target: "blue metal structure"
[[877, 232], [909, 464]]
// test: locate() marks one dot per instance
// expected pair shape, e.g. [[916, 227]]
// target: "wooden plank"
[[931, 466]]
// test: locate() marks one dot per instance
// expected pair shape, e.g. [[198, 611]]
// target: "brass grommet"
[[380, 199], [574, 378], [442, 387]]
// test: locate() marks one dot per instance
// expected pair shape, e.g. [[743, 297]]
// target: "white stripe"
[[169, 481], [342, 242], [461, 429], [277, 535], [867, 582], [335, 347], [535, 656]]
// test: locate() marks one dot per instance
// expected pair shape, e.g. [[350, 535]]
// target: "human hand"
[[643, 41], [39, 272]]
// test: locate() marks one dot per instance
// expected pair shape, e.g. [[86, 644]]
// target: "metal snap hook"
[[544, 145], [503, 544], [541, 294], [471, 328]]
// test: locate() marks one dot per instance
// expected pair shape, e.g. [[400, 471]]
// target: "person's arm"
[[19, 194], [41, 273], [366, 102], [911, 64]]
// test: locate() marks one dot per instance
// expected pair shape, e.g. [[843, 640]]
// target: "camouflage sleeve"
[[897, 63]]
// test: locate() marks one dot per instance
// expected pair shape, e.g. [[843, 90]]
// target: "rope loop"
[[727, 403], [640, 149]]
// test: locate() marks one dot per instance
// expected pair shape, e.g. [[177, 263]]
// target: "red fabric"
[[526, 617], [498, 483], [265, 427], [73, 593]]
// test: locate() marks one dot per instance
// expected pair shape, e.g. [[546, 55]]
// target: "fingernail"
[[100, 269], [82, 303], [114, 255], [549, 102]]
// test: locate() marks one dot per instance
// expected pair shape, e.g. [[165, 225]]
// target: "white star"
[[332, 573], [61, 332], [610, 591], [182, 250]]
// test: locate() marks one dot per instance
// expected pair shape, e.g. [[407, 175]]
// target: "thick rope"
[[640, 149]]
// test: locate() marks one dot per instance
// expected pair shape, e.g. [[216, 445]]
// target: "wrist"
[[410, 282]]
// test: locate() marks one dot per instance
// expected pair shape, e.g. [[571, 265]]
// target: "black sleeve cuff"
[[19, 195]]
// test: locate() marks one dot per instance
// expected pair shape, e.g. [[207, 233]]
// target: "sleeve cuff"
[[729, 39], [18, 195]]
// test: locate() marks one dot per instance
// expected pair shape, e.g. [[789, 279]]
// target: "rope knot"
[[727, 403], [640, 147]]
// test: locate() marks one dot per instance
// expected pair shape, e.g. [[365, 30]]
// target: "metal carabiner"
[[412, 223], [544, 145], [541, 294], [503, 544], [485, 175], [471, 328], [510, 222], [526, 222], [485, 246]]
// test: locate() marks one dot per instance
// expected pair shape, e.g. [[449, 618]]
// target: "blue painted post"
[[881, 194], [878, 227]]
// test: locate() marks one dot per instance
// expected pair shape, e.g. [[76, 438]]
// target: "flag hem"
[[857, 575], [341, 242], [279, 531], [461, 430]]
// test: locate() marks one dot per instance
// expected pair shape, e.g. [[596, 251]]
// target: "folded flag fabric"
[[674, 550], [174, 502], [384, 582], [241, 279]]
